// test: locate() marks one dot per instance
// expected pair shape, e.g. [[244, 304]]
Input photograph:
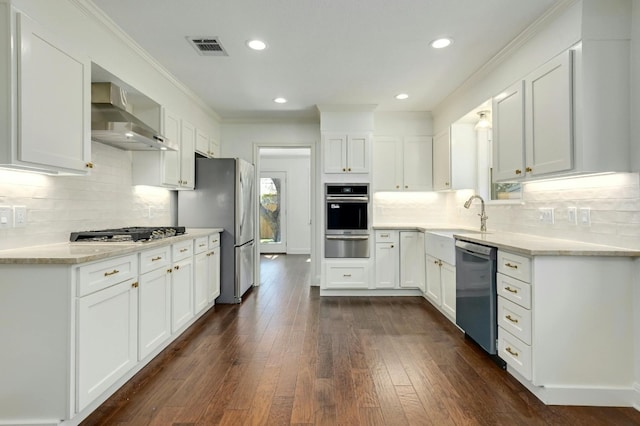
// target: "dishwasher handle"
[[477, 249]]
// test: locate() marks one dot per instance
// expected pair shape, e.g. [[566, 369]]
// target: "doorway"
[[273, 212]]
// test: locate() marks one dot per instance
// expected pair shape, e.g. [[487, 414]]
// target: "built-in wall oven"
[[347, 220]]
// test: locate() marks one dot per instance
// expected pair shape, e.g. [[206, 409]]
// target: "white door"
[[273, 223]]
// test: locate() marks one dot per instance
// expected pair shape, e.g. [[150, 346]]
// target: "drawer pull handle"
[[183, 250], [156, 258], [214, 241], [384, 235], [508, 349], [509, 265], [115, 271], [346, 275], [202, 245], [511, 290], [510, 318]]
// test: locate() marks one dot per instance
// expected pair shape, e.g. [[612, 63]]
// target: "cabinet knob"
[[176, 267], [406, 186], [518, 171], [134, 285], [89, 165], [391, 245], [344, 170], [528, 170], [446, 184], [349, 169], [169, 270], [397, 186]]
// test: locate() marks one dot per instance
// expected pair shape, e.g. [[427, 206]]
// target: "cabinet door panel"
[[508, 133], [56, 132], [358, 154], [433, 289], [335, 153], [417, 163], [412, 268], [448, 279], [201, 282], [181, 294], [549, 118], [386, 265], [387, 164], [107, 339], [154, 310], [171, 159], [214, 275], [442, 161], [187, 155]]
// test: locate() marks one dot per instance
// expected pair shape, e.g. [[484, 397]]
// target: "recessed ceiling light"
[[402, 96], [280, 100], [257, 44], [441, 42]]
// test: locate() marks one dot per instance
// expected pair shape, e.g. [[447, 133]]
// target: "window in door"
[[272, 212]]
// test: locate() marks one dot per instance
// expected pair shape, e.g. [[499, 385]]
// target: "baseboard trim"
[[588, 396], [370, 292]]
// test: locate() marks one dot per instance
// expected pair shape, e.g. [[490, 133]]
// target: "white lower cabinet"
[[351, 274], [412, 269], [154, 316], [440, 288], [213, 264], [107, 339], [387, 259], [181, 294]]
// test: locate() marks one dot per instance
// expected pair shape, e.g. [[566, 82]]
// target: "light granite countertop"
[[81, 252], [527, 244]]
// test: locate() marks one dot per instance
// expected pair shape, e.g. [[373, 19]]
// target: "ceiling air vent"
[[207, 46]]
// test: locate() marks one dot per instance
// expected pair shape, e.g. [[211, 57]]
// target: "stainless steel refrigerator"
[[224, 198]]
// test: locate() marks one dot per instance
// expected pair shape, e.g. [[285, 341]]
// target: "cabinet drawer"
[[100, 275], [155, 258], [182, 250], [514, 265], [387, 236], [515, 319], [201, 244], [214, 240], [515, 353], [347, 277], [515, 290]]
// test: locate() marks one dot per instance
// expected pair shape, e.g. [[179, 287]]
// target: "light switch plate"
[[546, 215], [572, 215], [6, 217], [19, 216], [584, 215]]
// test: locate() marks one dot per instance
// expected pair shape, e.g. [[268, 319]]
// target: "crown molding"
[[89, 8]]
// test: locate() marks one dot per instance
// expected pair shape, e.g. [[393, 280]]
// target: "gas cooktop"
[[133, 234]]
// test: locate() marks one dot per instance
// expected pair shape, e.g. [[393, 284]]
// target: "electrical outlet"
[[6, 217], [546, 215], [585, 216], [19, 216], [572, 215]]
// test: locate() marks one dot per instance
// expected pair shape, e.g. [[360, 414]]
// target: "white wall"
[[298, 199]]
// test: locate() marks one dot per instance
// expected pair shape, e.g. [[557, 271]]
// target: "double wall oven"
[[347, 220]]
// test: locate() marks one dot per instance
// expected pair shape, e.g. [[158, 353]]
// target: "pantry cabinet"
[[402, 163], [346, 153], [53, 136]]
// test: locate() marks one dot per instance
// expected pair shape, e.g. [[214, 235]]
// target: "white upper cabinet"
[[508, 133], [170, 161], [455, 158], [569, 116], [533, 122], [45, 91], [346, 153], [402, 163], [205, 145], [187, 155]]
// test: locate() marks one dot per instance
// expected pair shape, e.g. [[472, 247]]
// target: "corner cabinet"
[[346, 153], [402, 163], [54, 136]]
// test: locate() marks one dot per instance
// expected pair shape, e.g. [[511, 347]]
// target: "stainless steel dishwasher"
[[476, 294]]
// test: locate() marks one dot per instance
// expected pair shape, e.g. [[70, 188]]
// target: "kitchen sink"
[[440, 243]]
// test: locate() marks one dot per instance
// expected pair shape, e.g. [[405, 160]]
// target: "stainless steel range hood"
[[113, 125]]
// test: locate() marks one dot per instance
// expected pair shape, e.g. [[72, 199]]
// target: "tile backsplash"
[[58, 205], [613, 201]]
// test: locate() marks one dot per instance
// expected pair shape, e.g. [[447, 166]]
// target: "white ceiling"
[[323, 51]]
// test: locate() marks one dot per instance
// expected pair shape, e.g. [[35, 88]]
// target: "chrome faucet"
[[482, 214]]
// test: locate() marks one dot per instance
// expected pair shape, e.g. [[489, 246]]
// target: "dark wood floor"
[[286, 356]]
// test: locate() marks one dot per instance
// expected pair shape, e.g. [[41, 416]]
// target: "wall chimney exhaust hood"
[[113, 125]]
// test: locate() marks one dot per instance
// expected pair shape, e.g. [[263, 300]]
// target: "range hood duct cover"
[[113, 125]]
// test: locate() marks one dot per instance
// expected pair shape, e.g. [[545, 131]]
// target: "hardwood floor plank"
[[287, 356]]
